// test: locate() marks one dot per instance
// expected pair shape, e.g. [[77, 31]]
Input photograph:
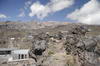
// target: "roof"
[[21, 51], [7, 49]]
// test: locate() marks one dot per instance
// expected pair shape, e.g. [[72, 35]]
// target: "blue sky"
[[13, 8]]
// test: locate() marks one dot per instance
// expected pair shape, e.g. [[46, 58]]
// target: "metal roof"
[[21, 51], [7, 49]]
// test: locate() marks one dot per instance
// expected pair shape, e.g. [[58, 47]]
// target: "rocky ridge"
[[71, 49], [57, 44]]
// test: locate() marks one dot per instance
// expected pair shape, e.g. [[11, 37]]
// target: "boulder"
[[39, 46], [87, 44]]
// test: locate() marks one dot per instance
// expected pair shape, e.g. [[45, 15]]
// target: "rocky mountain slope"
[[54, 43], [74, 48], [22, 32]]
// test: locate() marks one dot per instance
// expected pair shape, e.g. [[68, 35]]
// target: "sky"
[[84, 11]]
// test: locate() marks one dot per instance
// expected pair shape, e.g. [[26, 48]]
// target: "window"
[[25, 56], [19, 56], [22, 56], [5, 52]]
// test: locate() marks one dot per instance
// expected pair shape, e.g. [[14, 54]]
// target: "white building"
[[13, 54], [20, 54]]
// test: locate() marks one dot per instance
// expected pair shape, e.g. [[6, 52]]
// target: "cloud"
[[57, 5], [41, 11], [88, 14], [3, 16], [27, 4], [24, 10], [22, 14], [38, 10]]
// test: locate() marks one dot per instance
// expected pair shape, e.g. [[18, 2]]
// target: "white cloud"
[[23, 10], [27, 4], [88, 14], [22, 14], [57, 5], [3, 16], [38, 10], [41, 11]]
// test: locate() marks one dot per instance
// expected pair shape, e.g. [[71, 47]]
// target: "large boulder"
[[39, 45], [88, 44], [97, 49]]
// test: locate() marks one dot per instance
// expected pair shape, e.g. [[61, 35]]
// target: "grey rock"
[[78, 30], [39, 46], [86, 48], [91, 57], [89, 44]]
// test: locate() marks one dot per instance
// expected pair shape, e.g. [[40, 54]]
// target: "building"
[[5, 54], [20, 54], [13, 54]]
